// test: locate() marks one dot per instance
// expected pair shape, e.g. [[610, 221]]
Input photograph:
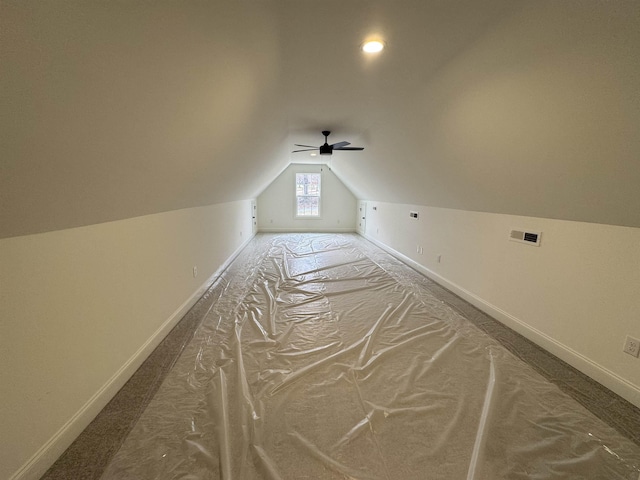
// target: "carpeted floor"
[[321, 356]]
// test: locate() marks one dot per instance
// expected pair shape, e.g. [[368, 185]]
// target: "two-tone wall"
[[576, 294], [533, 125], [82, 308]]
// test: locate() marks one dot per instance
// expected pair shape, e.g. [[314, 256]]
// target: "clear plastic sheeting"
[[326, 359]]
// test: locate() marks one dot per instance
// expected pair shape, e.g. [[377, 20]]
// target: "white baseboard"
[[46, 455], [307, 230], [600, 374]]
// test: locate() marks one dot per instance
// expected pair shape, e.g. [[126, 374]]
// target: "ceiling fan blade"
[[310, 146], [349, 148], [306, 150], [340, 144]]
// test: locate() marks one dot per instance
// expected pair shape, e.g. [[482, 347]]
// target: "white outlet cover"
[[632, 346]]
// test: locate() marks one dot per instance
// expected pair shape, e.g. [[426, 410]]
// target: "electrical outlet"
[[632, 346], [195, 272]]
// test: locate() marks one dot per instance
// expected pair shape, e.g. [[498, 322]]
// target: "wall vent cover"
[[524, 236]]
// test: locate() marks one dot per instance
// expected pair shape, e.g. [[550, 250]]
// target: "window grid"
[[307, 194]]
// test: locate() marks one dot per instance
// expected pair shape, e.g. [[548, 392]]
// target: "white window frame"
[[319, 195]]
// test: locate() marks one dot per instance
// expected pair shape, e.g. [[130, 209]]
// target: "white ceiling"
[[330, 82], [115, 110]]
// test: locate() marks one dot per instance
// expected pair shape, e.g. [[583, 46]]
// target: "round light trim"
[[373, 46]]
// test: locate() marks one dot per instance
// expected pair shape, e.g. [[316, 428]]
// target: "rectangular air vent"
[[522, 236]]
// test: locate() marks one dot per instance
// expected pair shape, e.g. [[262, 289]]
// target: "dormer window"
[[308, 194]]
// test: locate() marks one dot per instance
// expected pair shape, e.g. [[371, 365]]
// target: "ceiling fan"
[[327, 149]]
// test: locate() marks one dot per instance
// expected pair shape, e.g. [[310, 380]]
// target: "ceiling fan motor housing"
[[326, 149]]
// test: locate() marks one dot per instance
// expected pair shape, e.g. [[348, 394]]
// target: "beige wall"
[[145, 108], [81, 309], [123, 109], [276, 205], [576, 294], [538, 116]]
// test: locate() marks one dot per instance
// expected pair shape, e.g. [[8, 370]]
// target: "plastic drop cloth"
[[325, 358]]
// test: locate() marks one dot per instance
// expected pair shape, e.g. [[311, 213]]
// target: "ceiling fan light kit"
[[327, 149]]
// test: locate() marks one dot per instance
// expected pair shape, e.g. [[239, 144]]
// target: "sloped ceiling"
[[537, 115], [115, 110], [120, 109]]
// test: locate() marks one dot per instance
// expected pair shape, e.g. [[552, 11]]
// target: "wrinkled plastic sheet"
[[325, 359]]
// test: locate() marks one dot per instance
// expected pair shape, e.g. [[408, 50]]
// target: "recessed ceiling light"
[[374, 46], [313, 154]]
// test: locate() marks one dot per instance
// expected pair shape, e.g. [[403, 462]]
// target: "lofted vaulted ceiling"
[[112, 110]]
